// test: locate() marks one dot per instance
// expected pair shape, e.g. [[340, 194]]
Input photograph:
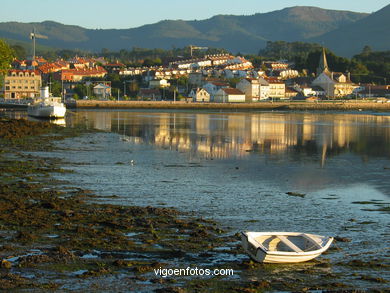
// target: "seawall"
[[323, 105]]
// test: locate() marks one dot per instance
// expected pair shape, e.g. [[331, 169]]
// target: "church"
[[335, 84]]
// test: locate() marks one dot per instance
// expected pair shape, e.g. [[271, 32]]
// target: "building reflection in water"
[[240, 134]]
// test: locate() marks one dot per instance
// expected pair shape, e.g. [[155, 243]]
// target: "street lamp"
[[124, 86]]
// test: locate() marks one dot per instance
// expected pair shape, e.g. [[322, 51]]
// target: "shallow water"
[[236, 168]]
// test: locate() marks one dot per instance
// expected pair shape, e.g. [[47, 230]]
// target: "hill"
[[246, 34], [351, 38]]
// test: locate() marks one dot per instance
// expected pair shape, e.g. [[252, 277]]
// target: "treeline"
[[133, 57]]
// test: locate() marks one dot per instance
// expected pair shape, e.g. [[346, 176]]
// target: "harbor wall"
[[323, 105]]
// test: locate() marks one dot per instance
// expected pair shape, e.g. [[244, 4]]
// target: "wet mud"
[[54, 238]]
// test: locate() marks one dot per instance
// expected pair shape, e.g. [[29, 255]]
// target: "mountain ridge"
[[371, 30], [242, 33]]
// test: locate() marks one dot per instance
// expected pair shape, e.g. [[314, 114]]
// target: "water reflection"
[[216, 135], [23, 115]]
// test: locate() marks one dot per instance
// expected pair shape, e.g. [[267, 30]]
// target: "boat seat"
[[272, 246], [316, 242], [289, 243]]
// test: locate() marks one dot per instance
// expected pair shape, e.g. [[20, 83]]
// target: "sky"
[[99, 14]]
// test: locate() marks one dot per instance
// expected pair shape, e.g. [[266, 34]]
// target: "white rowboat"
[[284, 247]]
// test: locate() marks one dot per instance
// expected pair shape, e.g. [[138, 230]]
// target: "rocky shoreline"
[[54, 238]]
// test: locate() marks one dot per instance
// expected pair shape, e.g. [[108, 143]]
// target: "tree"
[[80, 90], [367, 50], [56, 88], [6, 57], [19, 51]]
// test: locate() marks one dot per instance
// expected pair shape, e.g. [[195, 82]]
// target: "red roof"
[[273, 80], [232, 91], [24, 71]]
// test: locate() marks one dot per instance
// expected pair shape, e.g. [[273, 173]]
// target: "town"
[[207, 78]]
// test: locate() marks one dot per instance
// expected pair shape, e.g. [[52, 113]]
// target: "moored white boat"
[[284, 247], [46, 106]]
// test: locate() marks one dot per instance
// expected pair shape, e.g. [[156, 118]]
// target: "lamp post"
[[124, 88]]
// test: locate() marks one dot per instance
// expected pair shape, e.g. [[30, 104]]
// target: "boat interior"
[[287, 243]]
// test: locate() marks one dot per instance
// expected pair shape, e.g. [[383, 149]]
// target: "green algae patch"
[[64, 226]]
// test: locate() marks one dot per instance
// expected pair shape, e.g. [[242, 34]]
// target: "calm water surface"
[[237, 167]]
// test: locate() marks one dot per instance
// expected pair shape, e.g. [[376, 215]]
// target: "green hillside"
[[350, 39], [246, 34]]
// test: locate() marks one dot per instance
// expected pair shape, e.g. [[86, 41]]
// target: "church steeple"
[[323, 64]]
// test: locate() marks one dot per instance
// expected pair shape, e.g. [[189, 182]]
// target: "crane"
[[33, 36], [196, 48]]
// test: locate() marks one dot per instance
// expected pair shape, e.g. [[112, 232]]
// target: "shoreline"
[[61, 232], [349, 105], [68, 242]]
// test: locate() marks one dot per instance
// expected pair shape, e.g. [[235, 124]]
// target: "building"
[[229, 95], [102, 91], [213, 87], [150, 94], [76, 75], [335, 84], [195, 78], [255, 89], [199, 95], [375, 91], [20, 84], [277, 88], [158, 83], [114, 67]]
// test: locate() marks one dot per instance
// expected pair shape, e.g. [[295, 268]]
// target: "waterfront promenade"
[[350, 105]]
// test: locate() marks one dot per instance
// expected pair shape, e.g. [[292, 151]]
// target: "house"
[[150, 94], [79, 74], [255, 89], [213, 86], [277, 88], [335, 84], [229, 95], [291, 93], [102, 91], [114, 67], [304, 89], [371, 91], [195, 78], [158, 83], [199, 95], [20, 84]]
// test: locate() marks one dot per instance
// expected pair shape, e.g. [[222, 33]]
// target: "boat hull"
[[260, 254], [46, 111]]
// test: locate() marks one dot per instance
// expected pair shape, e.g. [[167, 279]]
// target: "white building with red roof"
[[229, 95]]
